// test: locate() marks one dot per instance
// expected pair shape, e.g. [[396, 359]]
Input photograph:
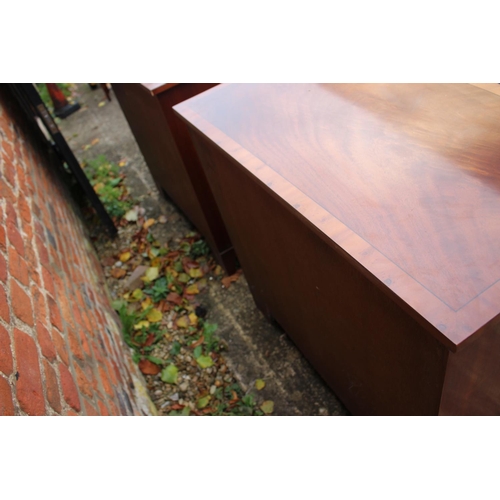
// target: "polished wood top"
[[403, 178], [158, 88]]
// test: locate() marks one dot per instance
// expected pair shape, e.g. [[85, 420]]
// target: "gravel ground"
[[250, 348]]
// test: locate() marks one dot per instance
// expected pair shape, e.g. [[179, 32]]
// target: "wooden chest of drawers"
[[167, 149], [367, 221]]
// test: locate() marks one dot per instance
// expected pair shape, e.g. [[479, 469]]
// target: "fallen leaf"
[[162, 219], [193, 319], [101, 104], [148, 368], [198, 342], [177, 406], [183, 322], [192, 289], [205, 361], [169, 374], [218, 270], [267, 407], [95, 141], [183, 278], [259, 384], [226, 282], [154, 316], [175, 298], [122, 163], [202, 402], [147, 302], [148, 223], [118, 272], [125, 256], [131, 215], [196, 272], [149, 341], [141, 324], [151, 274], [137, 294]]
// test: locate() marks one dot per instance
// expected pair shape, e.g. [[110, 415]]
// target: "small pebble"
[[175, 396], [184, 387], [323, 412], [158, 392], [213, 388], [118, 263]]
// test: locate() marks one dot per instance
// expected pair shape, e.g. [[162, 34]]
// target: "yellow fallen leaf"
[[193, 319], [126, 295], [122, 163], [183, 322], [137, 294], [146, 303], [101, 104], [267, 407], [192, 289], [196, 272], [95, 141], [151, 274], [125, 256], [148, 223], [98, 187], [260, 384], [141, 324], [154, 316]]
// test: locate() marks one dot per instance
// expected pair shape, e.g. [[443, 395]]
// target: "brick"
[[39, 304], [24, 208], [45, 342], [3, 269], [21, 303], [48, 281], [6, 405], [60, 346], [102, 408], [55, 315], [42, 251], [53, 396], [6, 365], [105, 381], [4, 306], [71, 413], [9, 170], [74, 345], [113, 409], [90, 410], [18, 267], [3, 238], [84, 341], [29, 383], [15, 238], [69, 388], [83, 382], [10, 212]]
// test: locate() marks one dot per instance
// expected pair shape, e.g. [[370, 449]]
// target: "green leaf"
[[183, 278], [203, 402], [267, 407], [157, 361], [176, 348], [169, 374], [197, 352], [185, 411], [205, 361], [209, 328], [260, 384]]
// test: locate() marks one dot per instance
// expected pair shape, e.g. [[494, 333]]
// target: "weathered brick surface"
[[6, 364], [69, 388], [21, 303], [6, 405], [29, 384], [55, 319]]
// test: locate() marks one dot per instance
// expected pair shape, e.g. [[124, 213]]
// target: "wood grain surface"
[[403, 178]]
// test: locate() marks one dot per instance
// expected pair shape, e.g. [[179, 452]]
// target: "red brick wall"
[[60, 345]]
